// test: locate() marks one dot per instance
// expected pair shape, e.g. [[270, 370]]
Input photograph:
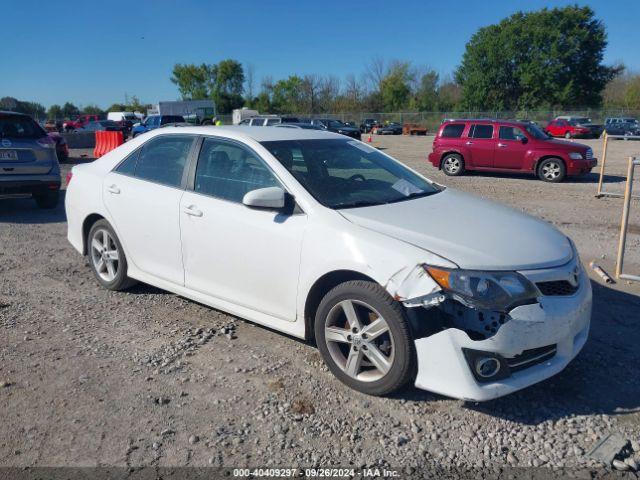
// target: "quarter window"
[[162, 160], [229, 171], [481, 131], [453, 131]]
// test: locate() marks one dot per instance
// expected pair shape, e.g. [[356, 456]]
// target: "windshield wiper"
[[413, 195], [359, 203]]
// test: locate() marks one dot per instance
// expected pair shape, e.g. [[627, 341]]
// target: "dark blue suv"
[[155, 121]]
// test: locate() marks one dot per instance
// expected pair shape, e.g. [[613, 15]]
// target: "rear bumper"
[[29, 184], [560, 322], [434, 159], [580, 167]]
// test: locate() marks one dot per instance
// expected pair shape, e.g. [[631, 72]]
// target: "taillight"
[[69, 176], [46, 142]]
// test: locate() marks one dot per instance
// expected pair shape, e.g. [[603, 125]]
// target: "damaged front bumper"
[[529, 344]]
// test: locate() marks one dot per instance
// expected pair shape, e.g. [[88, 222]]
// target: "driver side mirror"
[[524, 140], [271, 198]]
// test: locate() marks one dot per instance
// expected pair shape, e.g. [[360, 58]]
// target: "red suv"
[[507, 146]]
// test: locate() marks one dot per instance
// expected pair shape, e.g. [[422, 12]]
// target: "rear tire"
[[48, 200], [107, 258], [453, 164], [364, 338], [567, 135], [552, 170]]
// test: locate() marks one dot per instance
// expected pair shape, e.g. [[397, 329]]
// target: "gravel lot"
[[148, 379]]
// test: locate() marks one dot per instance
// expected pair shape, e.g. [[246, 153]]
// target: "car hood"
[[552, 143], [471, 232], [347, 129]]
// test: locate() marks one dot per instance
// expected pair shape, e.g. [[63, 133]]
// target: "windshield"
[[536, 132], [335, 124], [346, 173]]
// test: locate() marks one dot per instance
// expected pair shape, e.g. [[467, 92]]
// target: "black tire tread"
[[408, 369], [123, 282]]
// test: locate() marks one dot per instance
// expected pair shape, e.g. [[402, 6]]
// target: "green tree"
[[287, 95], [536, 59], [395, 87], [192, 80], [632, 93], [426, 95], [225, 83], [55, 112], [92, 110], [69, 110]]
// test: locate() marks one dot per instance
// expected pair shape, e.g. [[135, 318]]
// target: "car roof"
[[7, 112], [486, 120], [259, 134]]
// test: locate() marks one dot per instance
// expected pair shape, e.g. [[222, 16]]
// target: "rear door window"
[[162, 160], [481, 131], [453, 130]]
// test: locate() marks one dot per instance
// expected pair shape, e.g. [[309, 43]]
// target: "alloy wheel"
[[452, 164], [551, 170], [105, 255], [359, 340]]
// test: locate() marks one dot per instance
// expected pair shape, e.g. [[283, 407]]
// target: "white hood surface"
[[473, 233]]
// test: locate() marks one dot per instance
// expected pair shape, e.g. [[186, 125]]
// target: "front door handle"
[[469, 143], [113, 189], [502, 145], [193, 211]]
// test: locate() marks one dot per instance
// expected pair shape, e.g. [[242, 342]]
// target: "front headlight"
[[575, 156], [499, 291]]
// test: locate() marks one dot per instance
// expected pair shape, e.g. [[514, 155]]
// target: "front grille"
[[557, 288], [532, 357], [589, 153]]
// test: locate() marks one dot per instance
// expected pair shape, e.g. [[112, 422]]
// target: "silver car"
[[28, 161]]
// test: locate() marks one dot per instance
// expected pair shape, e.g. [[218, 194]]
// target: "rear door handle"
[[193, 211], [113, 189], [502, 145], [469, 142]]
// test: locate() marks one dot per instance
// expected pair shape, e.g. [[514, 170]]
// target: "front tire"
[[107, 258], [453, 165], [552, 170], [567, 135], [363, 337]]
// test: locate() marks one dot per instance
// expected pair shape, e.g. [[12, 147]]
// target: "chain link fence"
[[432, 119]]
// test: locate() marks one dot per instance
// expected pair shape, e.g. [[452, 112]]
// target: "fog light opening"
[[487, 367]]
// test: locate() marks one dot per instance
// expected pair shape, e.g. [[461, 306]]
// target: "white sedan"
[[396, 278]]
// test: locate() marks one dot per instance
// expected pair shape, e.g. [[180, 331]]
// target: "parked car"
[[507, 146], [336, 126], [268, 121], [574, 127], [107, 125], [154, 121], [622, 126], [79, 122], [367, 125], [62, 149], [398, 279], [391, 128], [28, 162], [126, 119]]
